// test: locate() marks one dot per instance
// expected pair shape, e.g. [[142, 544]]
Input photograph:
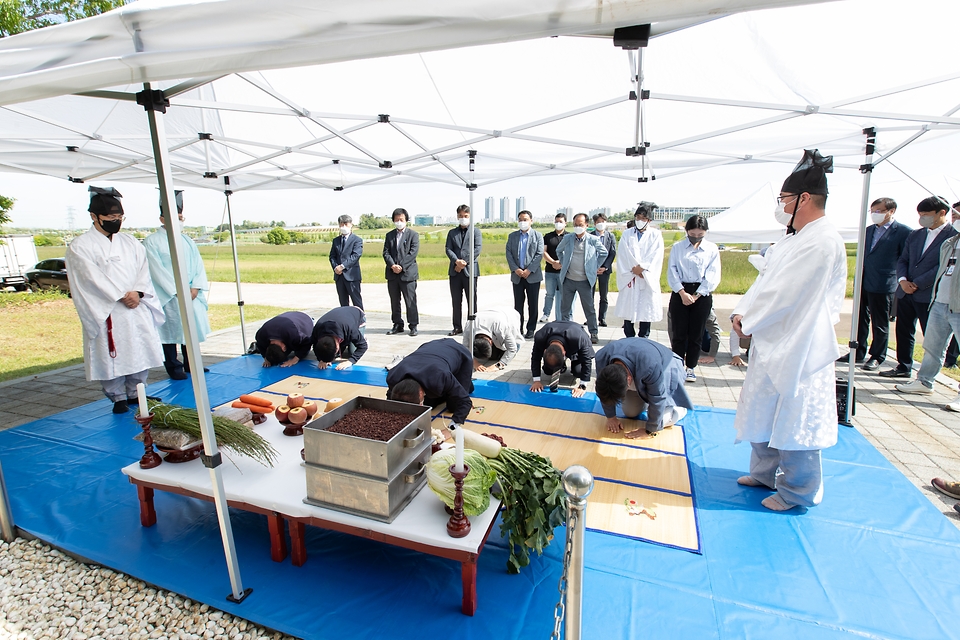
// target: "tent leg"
[[867, 170], [471, 302], [155, 103], [236, 265], [6, 516]]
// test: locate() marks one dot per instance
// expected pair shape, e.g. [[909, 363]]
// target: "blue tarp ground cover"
[[875, 560]]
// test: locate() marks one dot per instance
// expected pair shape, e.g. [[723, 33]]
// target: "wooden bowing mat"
[[642, 487]]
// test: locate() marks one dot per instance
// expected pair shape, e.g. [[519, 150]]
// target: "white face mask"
[[878, 218], [601, 226], [956, 225], [400, 224], [464, 222], [524, 225], [580, 230], [559, 226], [344, 231], [781, 215], [640, 225]]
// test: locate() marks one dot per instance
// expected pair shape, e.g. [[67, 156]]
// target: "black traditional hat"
[[646, 208], [105, 202], [810, 175], [178, 196]]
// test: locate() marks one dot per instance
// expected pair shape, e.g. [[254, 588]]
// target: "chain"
[[560, 610]]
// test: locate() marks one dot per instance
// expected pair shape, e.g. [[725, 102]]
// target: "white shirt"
[[694, 263], [931, 236]]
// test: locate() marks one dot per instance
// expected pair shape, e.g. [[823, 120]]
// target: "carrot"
[[249, 399], [255, 408]]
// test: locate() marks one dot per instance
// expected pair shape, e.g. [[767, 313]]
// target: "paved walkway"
[[914, 432]]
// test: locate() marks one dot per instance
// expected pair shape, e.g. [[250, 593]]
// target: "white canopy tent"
[[741, 116]]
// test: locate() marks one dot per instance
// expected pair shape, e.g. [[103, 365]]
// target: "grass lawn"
[[41, 331]]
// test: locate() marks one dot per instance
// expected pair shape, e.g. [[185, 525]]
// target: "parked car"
[[49, 274]]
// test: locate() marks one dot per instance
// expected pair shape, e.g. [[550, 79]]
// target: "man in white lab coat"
[[639, 262]]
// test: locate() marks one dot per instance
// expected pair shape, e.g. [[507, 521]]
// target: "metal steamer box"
[[371, 478]]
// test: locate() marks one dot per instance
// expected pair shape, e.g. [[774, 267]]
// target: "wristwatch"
[[583, 386]]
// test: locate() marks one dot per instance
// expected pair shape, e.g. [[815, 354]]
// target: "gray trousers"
[[124, 387], [796, 475], [582, 288]]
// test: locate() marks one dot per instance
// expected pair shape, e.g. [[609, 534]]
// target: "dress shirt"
[[931, 236], [522, 257], [878, 233], [694, 263]]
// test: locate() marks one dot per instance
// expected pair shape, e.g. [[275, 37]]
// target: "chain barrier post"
[[577, 483]]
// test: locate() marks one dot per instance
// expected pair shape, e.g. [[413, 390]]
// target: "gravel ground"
[[46, 594]]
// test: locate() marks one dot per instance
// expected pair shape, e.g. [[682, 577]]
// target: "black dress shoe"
[[898, 372], [594, 339], [528, 335], [177, 373], [395, 330], [413, 331], [120, 406], [846, 359], [602, 323], [456, 332], [872, 365]]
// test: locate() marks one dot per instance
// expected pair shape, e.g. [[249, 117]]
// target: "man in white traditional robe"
[[116, 302], [161, 272], [788, 406], [639, 262]]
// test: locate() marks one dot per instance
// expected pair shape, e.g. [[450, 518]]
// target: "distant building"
[[505, 209], [681, 214], [567, 211], [489, 209], [604, 210], [424, 221], [521, 204]]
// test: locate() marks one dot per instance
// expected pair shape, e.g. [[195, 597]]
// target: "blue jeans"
[[553, 296], [941, 324]]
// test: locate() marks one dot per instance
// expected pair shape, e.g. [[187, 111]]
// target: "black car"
[[49, 274]]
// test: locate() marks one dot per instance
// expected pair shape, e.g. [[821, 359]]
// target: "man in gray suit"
[[580, 257], [400, 249], [638, 374], [524, 252], [458, 250]]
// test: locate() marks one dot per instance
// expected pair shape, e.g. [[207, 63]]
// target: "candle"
[[458, 436], [142, 397]]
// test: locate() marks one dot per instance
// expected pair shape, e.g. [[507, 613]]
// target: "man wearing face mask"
[[345, 255], [580, 258], [885, 242], [639, 262], [458, 251], [916, 273], [551, 272], [161, 273], [524, 251], [400, 249], [788, 407], [116, 302], [285, 339], [603, 272], [340, 333]]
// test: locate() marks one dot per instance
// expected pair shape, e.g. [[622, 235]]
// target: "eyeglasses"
[[782, 199], [112, 216]]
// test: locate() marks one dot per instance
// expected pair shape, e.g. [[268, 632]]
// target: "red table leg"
[[148, 515], [468, 574], [298, 543], [278, 538]]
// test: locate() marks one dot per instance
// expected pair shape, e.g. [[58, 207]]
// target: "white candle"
[[142, 397], [458, 436]]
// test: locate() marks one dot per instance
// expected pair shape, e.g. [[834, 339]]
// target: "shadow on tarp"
[[875, 560]]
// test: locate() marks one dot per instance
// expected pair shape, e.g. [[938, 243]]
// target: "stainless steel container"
[[367, 457]]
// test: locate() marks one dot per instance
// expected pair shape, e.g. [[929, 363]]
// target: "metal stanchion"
[[6, 517], [577, 483]]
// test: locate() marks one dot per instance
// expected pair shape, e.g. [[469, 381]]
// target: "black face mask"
[[110, 226], [694, 241]]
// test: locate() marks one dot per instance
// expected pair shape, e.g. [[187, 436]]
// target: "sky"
[[802, 55]]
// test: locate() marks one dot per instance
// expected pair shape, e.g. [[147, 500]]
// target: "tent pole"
[[867, 170], [6, 516], [471, 294], [154, 102], [236, 264]]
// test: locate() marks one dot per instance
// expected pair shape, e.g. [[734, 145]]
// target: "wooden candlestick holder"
[[458, 526], [150, 457]]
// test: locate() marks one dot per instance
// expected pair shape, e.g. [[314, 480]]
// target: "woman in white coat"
[[639, 262]]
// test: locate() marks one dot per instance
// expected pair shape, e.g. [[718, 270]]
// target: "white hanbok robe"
[[101, 272], [161, 272], [638, 299], [789, 394]]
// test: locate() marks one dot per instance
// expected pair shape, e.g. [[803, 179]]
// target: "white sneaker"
[[692, 377], [396, 360], [953, 405], [544, 319], [916, 387]]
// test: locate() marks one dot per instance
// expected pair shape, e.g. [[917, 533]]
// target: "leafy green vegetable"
[[476, 486], [534, 503]]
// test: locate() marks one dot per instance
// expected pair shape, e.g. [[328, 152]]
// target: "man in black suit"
[[345, 259], [885, 242], [552, 345], [458, 250], [603, 273], [339, 334], [400, 249], [916, 272], [285, 339], [438, 371]]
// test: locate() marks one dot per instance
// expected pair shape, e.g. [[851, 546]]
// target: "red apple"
[[298, 416], [310, 407], [295, 400], [283, 413]]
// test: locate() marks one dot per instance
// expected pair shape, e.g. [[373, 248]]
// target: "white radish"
[[487, 447]]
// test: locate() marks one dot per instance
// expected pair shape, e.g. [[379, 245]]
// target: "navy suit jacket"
[[346, 250], [444, 369], [458, 248], [534, 255], [292, 328], [406, 256], [342, 323], [919, 266], [576, 345], [880, 262], [658, 373]]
